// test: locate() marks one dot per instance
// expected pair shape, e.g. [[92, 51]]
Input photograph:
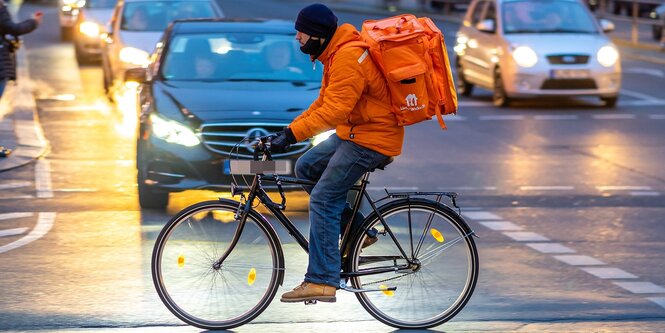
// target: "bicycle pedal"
[[310, 302]]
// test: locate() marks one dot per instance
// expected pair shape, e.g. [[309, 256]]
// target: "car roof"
[[213, 25]]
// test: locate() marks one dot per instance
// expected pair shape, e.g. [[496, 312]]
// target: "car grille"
[[234, 139], [568, 59], [556, 84]]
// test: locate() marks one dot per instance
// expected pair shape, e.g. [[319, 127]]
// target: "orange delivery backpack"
[[411, 54]]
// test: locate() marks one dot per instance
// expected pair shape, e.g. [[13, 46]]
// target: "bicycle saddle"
[[384, 164]]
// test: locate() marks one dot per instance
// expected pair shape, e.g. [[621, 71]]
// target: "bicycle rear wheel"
[[439, 281], [197, 293]]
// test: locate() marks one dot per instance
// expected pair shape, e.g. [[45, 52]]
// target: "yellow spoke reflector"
[[437, 235], [224, 217], [200, 216], [386, 291], [181, 261], [251, 277]]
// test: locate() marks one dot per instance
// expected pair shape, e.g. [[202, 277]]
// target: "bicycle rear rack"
[[439, 195]]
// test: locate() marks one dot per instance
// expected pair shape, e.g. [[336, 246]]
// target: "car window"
[[490, 13], [100, 4], [237, 57], [547, 16], [156, 15], [477, 13]]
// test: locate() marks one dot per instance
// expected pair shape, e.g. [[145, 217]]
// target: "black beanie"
[[317, 20]]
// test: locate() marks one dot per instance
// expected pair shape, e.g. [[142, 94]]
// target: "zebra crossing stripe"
[[641, 287], [11, 216], [12, 232]]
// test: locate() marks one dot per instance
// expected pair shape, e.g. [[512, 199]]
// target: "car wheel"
[[464, 88], [657, 32], [81, 58], [148, 198], [108, 81], [499, 96], [609, 102], [66, 33]]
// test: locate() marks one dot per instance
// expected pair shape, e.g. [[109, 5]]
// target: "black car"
[[658, 14], [212, 88]]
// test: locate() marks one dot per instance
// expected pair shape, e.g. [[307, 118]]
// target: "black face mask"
[[312, 47]]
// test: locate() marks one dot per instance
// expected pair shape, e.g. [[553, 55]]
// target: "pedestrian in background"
[[9, 32]]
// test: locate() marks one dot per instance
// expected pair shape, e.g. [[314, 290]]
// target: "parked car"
[[625, 7], [91, 25], [212, 88], [658, 14], [135, 28], [531, 48], [68, 16]]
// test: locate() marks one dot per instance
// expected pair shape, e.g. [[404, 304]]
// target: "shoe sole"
[[327, 299]]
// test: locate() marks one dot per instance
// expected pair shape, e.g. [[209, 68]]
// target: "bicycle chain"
[[388, 279]]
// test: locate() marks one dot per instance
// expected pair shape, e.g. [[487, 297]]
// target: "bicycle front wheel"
[[210, 297], [434, 273]]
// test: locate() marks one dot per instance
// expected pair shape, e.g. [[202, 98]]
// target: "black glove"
[[281, 142]]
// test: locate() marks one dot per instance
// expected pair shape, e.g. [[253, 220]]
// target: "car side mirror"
[[486, 26], [138, 74], [607, 25]]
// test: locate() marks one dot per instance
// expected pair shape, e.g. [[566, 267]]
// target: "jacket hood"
[[345, 33]]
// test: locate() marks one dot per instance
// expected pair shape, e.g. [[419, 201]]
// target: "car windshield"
[[547, 17], [238, 57], [100, 4], [156, 15]]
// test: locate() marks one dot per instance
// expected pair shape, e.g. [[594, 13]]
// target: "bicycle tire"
[[428, 295], [212, 299]]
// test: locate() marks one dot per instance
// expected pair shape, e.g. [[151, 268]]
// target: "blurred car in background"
[[91, 25], [212, 88], [658, 14], [135, 28], [531, 48], [68, 16]]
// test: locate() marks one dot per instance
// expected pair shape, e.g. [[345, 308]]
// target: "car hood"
[[99, 16], [142, 40], [211, 101], [560, 43]]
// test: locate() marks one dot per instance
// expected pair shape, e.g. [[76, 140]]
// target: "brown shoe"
[[308, 291]]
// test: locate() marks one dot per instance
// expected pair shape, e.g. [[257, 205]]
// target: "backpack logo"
[[411, 100]]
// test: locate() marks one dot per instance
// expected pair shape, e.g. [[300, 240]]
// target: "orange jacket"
[[349, 76]]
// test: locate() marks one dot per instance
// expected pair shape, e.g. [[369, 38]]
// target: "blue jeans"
[[335, 165]]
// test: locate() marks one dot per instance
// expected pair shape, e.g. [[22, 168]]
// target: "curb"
[[21, 118]]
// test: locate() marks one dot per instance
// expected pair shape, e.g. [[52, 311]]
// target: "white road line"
[[641, 287], [474, 104], [608, 273], [547, 188], [556, 117], [14, 185], [43, 178], [468, 188], [613, 116], [45, 222], [645, 194], [640, 95], [11, 216], [525, 236], [506, 117], [658, 300], [481, 216], [17, 197], [12, 232], [579, 260], [622, 188], [501, 225], [550, 248], [645, 71], [454, 118], [657, 116], [649, 102]]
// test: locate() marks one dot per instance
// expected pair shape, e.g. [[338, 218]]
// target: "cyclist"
[[366, 135]]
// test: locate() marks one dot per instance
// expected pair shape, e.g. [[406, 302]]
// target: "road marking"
[[556, 117], [609, 273], [12, 232], [468, 188], [525, 236], [645, 71], [550, 248], [501, 225], [506, 117], [658, 300], [620, 116], [482, 216], [657, 116], [603, 188], [11, 216], [641, 96], [474, 104], [641, 287], [43, 179], [645, 194], [14, 185], [579, 260], [547, 188], [455, 118], [45, 222]]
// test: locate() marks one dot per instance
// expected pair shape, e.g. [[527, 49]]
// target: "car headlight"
[[173, 131], [525, 56], [322, 137], [90, 29], [608, 56], [134, 56]]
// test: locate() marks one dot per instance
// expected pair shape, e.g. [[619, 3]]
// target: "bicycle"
[[218, 264]]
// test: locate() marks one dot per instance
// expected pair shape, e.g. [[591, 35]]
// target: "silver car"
[[531, 48], [90, 27], [135, 29]]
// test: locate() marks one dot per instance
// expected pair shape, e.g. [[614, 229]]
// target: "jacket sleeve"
[[345, 87], [8, 27]]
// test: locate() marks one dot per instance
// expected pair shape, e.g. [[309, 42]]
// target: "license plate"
[[569, 74], [249, 167]]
